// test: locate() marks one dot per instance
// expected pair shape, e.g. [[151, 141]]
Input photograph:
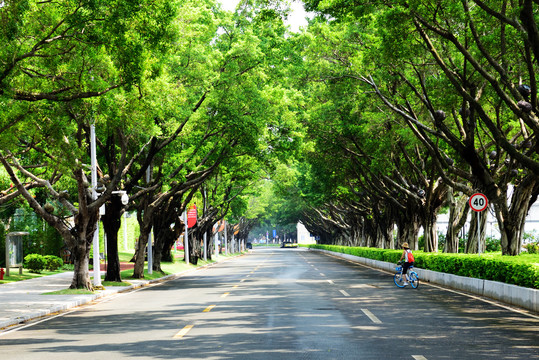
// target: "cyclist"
[[408, 261]]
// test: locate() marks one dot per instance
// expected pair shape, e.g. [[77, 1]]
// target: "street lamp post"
[[97, 263]]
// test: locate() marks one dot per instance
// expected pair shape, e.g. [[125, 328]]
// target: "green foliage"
[[493, 244], [532, 248], [53, 263], [520, 270], [34, 263]]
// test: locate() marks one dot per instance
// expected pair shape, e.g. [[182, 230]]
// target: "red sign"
[[478, 202], [192, 217]]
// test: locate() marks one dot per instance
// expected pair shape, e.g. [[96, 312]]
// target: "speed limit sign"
[[478, 202]]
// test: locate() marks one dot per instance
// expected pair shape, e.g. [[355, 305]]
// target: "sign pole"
[[478, 203], [186, 240]]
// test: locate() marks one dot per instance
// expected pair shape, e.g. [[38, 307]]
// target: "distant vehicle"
[[288, 244], [249, 245]]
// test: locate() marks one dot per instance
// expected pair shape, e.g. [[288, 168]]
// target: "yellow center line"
[[225, 294], [235, 286], [208, 309], [183, 331]]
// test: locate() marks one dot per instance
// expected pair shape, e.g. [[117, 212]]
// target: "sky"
[[295, 20]]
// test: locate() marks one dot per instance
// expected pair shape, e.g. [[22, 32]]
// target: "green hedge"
[[518, 270]]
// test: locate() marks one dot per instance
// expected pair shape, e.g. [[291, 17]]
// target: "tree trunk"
[[81, 274], [408, 232], [140, 251], [471, 244], [511, 220], [111, 226], [458, 212], [194, 248], [429, 233]]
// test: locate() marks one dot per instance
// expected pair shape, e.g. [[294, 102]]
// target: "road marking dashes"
[[225, 294], [209, 308], [371, 316], [344, 293], [330, 281], [183, 331], [419, 357]]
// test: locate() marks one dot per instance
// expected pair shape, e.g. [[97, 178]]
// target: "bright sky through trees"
[[296, 19]]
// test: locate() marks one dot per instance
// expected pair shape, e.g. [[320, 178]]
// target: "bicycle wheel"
[[414, 280], [399, 280]]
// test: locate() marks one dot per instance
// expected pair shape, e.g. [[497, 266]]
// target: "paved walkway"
[[24, 300]]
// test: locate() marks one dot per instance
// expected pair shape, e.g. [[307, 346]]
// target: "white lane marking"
[[330, 281], [344, 293], [322, 274], [371, 316], [419, 357]]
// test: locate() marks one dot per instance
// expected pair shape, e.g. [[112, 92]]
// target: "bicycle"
[[399, 279]]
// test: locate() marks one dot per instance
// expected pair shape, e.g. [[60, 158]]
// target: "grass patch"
[[26, 275], [115, 283], [125, 256], [70, 292]]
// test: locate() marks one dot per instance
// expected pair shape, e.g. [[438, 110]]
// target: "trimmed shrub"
[[34, 262], [53, 263]]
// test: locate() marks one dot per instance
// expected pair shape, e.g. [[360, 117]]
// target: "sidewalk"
[[23, 300]]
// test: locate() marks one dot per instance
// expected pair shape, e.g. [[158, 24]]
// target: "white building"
[[304, 236]]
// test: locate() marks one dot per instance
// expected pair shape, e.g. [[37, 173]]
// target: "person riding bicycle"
[[408, 261]]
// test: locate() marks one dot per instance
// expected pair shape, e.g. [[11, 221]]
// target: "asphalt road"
[[281, 304]]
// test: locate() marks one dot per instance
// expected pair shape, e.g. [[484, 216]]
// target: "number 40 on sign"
[[478, 202]]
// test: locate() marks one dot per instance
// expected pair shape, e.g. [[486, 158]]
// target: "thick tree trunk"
[[511, 220], [458, 212], [194, 248], [429, 233], [81, 274], [140, 252], [408, 232], [471, 244], [111, 226]]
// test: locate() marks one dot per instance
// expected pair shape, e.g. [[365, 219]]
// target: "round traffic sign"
[[478, 202]]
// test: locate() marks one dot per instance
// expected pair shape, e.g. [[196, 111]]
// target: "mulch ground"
[[123, 266]]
